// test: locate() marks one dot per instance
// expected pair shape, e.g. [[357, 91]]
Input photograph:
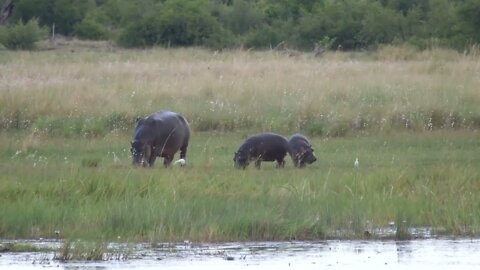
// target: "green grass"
[[429, 179], [22, 247]]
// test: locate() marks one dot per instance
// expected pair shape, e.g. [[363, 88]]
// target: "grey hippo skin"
[[262, 147], [301, 150], [160, 134]]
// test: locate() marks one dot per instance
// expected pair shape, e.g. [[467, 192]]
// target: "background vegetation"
[[92, 93], [346, 24]]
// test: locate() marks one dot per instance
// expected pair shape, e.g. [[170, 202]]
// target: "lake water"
[[331, 254]]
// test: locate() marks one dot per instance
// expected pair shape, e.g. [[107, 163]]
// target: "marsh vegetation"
[[411, 118]]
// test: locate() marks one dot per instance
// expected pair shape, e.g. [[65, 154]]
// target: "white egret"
[[181, 161]]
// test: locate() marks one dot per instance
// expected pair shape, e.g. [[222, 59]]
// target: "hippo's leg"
[[167, 160], [183, 153], [280, 163], [149, 157], [257, 163], [151, 160]]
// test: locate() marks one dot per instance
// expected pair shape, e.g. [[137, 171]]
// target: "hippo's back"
[[163, 128], [167, 116], [267, 138], [165, 119], [298, 138], [268, 145]]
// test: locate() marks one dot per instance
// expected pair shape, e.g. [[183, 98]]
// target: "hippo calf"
[[301, 150], [160, 134], [262, 147]]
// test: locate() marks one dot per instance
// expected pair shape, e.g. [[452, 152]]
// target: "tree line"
[[258, 24]]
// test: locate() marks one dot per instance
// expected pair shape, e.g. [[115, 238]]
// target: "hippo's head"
[[141, 152], [240, 160], [304, 156]]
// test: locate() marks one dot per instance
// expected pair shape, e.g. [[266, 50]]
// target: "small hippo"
[[262, 147], [160, 134], [301, 150]]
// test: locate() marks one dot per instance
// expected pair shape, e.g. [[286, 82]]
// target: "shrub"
[[263, 37], [22, 36], [176, 23], [92, 30]]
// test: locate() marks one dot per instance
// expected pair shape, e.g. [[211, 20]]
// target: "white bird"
[[116, 160], [356, 164], [181, 161]]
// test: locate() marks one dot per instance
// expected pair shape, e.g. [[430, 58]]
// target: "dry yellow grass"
[[269, 90]]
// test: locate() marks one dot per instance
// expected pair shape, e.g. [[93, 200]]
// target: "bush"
[[22, 36], [240, 17], [263, 37], [176, 23], [92, 30], [64, 14]]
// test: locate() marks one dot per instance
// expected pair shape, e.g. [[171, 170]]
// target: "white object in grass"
[[116, 160], [181, 161], [356, 164]]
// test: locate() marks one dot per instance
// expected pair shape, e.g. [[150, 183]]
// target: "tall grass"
[[91, 93], [431, 181]]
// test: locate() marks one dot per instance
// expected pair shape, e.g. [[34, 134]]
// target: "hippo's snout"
[[311, 158], [239, 165], [138, 163], [240, 160]]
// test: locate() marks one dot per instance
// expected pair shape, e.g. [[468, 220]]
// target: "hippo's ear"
[[139, 120]]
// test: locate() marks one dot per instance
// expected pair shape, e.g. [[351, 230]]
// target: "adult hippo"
[[301, 150], [160, 134], [262, 147]]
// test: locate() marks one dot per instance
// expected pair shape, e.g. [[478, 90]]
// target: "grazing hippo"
[[160, 134], [301, 150], [262, 147]]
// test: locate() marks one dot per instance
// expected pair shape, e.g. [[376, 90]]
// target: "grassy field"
[[410, 117], [91, 93], [74, 186]]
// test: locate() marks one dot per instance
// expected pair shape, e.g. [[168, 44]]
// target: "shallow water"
[[414, 254]]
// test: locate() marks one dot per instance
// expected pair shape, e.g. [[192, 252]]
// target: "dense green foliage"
[[350, 24], [21, 36]]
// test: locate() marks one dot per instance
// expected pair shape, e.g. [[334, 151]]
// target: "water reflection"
[[414, 254], [404, 251]]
